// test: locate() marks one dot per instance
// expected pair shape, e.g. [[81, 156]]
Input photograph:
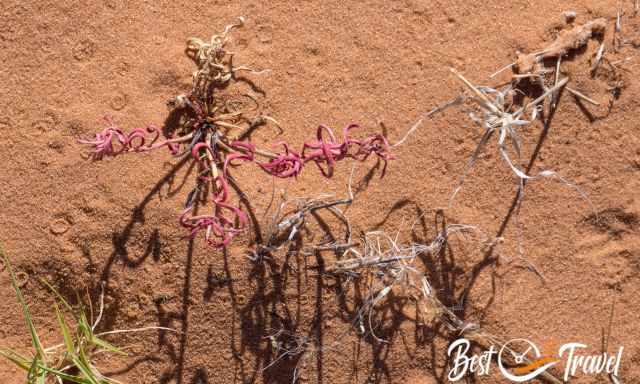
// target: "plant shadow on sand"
[[270, 322], [490, 258], [270, 319], [120, 256], [268, 312], [451, 284], [284, 344]]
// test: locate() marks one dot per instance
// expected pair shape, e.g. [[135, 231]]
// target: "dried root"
[[566, 42]]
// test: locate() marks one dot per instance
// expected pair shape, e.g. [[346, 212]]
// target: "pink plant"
[[325, 151], [207, 113], [135, 141], [284, 165], [138, 137], [102, 143], [247, 154], [329, 151], [227, 221], [377, 144], [218, 226]]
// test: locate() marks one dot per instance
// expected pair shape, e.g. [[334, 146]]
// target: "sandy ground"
[[77, 222]]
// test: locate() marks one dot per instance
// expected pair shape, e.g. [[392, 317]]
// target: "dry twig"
[[564, 43]]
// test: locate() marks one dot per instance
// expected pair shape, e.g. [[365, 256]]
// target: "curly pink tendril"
[[324, 151], [328, 151], [202, 160], [135, 141], [287, 164], [247, 154], [226, 221], [378, 145], [220, 228], [102, 143]]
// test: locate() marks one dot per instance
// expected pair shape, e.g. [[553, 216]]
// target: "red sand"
[[77, 222]]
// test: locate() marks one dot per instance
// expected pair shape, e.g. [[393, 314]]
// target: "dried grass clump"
[[501, 116], [394, 267], [389, 266], [285, 225], [508, 108]]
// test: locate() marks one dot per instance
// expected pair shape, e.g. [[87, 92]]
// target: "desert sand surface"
[[557, 264]]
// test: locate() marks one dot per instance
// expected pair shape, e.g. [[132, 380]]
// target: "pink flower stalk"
[[285, 165], [219, 229], [103, 141], [246, 146], [346, 135], [329, 152], [247, 154], [137, 138], [377, 144], [322, 151], [222, 190], [140, 135], [135, 141], [227, 221]]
